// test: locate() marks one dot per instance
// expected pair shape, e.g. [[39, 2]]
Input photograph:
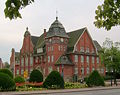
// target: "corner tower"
[[56, 42]]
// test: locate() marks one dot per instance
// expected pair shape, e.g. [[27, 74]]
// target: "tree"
[[54, 80], [95, 79], [110, 56], [14, 6], [7, 71], [36, 76], [6, 82], [108, 14], [7, 65]]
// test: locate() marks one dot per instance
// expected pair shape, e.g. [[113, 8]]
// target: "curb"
[[57, 91]]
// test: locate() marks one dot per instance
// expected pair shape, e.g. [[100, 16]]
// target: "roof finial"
[[56, 15], [26, 28]]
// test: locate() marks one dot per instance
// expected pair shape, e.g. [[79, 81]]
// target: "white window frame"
[[82, 59], [93, 59], [31, 61], [97, 60], [52, 58], [48, 59], [76, 58], [87, 59]]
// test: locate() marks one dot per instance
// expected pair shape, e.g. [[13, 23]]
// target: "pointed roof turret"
[[56, 29], [26, 32]]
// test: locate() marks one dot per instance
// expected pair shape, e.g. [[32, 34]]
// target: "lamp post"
[[62, 71]]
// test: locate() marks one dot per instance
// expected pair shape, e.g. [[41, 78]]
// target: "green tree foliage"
[[6, 82], [108, 14], [7, 71], [36, 76], [110, 56], [7, 65], [95, 79], [14, 6], [54, 80], [19, 79]]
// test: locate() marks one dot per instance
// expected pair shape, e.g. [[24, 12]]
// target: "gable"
[[74, 36], [85, 41]]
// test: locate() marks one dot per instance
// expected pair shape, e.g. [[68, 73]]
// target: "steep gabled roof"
[[74, 36], [34, 40], [41, 42], [97, 45]]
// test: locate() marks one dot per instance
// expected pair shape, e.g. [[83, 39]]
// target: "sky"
[[73, 14]]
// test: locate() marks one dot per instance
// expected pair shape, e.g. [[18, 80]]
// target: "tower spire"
[[56, 15]]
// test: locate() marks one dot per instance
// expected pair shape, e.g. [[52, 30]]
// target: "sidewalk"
[[58, 91]]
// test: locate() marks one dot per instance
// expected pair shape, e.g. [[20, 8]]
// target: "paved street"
[[99, 92]]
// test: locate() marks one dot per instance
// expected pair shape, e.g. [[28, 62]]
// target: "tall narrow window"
[[59, 48], [22, 71], [58, 69], [76, 70], [82, 58], [93, 60], [87, 70], [87, 59], [17, 71], [52, 58], [76, 58], [26, 61], [81, 49], [48, 59], [82, 71], [31, 61], [87, 50], [98, 60], [52, 48]]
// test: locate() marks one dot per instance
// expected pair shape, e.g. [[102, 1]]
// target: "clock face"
[[62, 39]]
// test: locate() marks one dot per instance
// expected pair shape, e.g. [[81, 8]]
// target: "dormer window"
[[62, 39]]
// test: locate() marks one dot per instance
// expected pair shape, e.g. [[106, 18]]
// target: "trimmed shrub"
[[19, 79], [7, 71], [95, 79], [36, 76], [6, 82], [54, 80]]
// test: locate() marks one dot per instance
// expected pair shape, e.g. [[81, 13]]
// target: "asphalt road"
[[99, 92]]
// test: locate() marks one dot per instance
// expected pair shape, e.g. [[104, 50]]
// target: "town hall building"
[[73, 54]]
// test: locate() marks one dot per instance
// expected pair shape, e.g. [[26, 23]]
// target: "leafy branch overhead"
[[108, 14], [14, 6]]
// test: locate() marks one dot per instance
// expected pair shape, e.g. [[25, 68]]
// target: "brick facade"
[[73, 54]]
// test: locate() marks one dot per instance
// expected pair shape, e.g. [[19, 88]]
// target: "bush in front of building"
[[54, 80], [7, 71], [19, 79], [6, 82], [95, 79], [36, 76]]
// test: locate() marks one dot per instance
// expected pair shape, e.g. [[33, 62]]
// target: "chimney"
[[45, 33]]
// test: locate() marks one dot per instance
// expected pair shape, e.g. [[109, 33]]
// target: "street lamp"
[[62, 71]]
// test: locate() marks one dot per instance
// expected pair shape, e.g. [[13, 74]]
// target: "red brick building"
[[74, 54]]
